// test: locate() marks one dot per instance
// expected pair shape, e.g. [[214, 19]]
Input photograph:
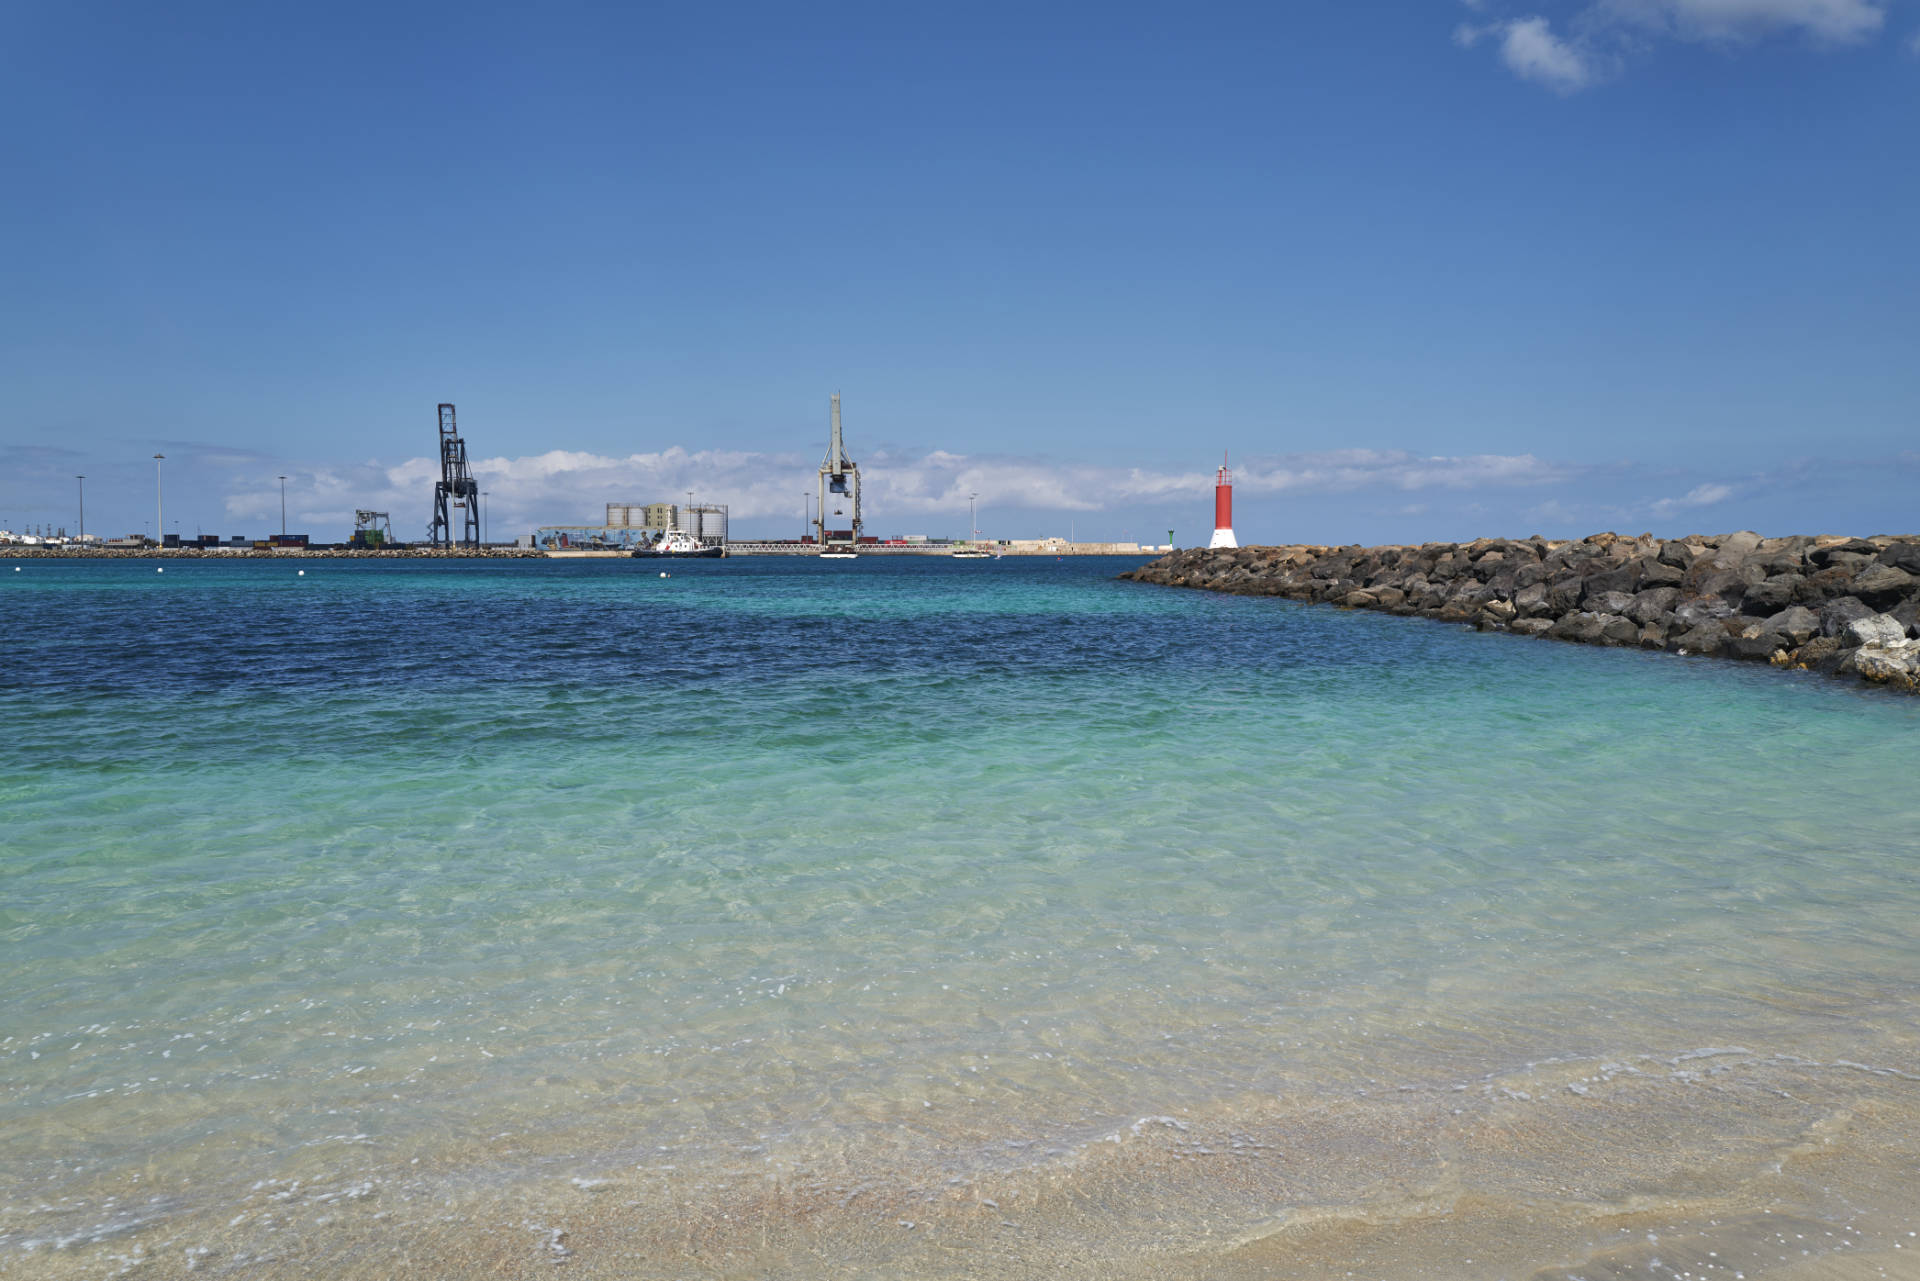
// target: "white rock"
[[1876, 629], [1888, 662]]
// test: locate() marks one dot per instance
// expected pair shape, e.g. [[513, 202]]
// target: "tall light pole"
[[283, 507], [973, 521], [806, 512], [483, 518], [159, 524], [83, 504]]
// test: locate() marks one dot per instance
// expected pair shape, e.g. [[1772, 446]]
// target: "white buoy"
[[303, 573], [663, 573], [160, 569]]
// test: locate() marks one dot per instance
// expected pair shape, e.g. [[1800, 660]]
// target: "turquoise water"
[[919, 917]]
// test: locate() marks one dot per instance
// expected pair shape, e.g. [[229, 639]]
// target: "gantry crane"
[[839, 475], [456, 489]]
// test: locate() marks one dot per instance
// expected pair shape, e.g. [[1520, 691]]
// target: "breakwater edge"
[[1829, 603]]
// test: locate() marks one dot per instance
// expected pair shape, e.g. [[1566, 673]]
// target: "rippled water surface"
[[929, 918]]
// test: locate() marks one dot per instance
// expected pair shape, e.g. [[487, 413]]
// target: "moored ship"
[[677, 544]]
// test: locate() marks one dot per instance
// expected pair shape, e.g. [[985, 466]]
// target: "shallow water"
[[929, 918]]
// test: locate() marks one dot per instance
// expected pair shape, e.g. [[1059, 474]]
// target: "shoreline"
[[251, 553], [511, 553], [1828, 603]]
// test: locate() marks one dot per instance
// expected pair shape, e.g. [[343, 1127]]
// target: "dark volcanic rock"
[[1882, 585], [1815, 650], [1608, 602], [1797, 623], [1615, 630], [1657, 573], [1625, 579], [1694, 613], [1708, 638], [1655, 604], [1770, 594], [1717, 576], [1763, 645], [1836, 605], [1836, 614], [1902, 556]]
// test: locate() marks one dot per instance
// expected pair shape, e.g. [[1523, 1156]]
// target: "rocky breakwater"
[[1849, 606]]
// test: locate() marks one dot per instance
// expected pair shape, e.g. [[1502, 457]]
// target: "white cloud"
[[1828, 21], [1606, 30], [1532, 52], [1699, 496], [1343, 471]]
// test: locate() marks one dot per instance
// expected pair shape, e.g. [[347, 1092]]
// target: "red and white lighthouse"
[[1223, 507]]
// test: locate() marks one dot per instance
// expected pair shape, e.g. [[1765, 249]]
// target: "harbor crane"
[[839, 476], [455, 490]]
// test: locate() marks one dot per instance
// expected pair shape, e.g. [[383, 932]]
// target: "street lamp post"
[[283, 507], [159, 509], [973, 521], [483, 518], [83, 505]]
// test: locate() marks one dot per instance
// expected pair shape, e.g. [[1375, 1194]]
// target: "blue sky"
[[1429, 269]]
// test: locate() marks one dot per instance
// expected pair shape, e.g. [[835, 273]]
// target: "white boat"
[[970, 553], [678, 545], [839, 555]]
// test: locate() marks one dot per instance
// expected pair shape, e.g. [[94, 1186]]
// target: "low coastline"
[[271, 553], [1828, 603]]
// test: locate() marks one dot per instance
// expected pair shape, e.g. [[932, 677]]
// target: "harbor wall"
[[1828, 603]]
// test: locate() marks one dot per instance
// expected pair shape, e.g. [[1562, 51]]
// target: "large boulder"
[[1897, 664], [1902, 556], [1830, 583], [1854, 551], [1875, 629], [1615, 630], [1817, 650], [1622, 578], [1532, 601], [1717, 577], [1758, 644], [1708, 638], [1836, 614], [1701, 612], [1657, 573], [1607, 602], [1654, 604], [1797, 623], [1771, 594], [1579, 626], [1563, 594], [1883, 585]]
